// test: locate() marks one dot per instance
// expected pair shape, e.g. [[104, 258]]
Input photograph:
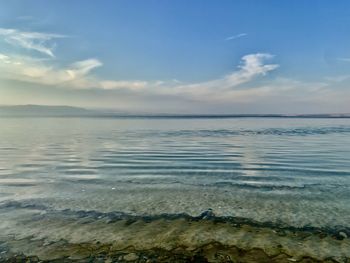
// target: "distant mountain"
[[40, 110], [68, 111]]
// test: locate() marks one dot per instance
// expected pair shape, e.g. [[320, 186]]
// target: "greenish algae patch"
[[68, 236], [213, 252]]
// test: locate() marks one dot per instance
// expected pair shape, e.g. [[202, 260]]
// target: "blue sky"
[[177, 56]]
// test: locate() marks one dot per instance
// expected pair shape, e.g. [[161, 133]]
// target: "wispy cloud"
[[4, 58], [39, 42], [242, 90], [236, 36], [78, 75], [338, 78], [344, 59], [82, 68], [251, 66], [37, 71]]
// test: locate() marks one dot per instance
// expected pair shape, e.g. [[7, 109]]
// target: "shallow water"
[[290, 172]]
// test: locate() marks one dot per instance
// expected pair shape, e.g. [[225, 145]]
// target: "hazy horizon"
[[33, 109]]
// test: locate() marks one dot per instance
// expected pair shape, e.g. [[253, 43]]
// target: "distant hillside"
[[66, 111], [40, 110]]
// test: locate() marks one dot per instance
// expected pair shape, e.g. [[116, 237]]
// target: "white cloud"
[[252, 66], [30, 40], [82, 68], [37, 71], [4, 58], [235, 92], [344, 59], [230, 93], [338, 78], [236, 36], [112, 84], [78, 75]]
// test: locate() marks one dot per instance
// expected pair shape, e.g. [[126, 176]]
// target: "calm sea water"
[[294, 171]]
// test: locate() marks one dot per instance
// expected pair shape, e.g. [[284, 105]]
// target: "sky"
[[177, 56]]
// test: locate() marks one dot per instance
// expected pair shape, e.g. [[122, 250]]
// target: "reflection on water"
[[273, 190], [295, 171]]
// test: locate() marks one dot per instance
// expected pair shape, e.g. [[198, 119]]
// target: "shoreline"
[[211, 252], [89, 236]]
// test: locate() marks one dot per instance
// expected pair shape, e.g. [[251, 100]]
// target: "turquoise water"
[[290, 171]]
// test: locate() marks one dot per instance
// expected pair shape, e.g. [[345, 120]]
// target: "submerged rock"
[[208, 214], [131, 257], [343, 234]]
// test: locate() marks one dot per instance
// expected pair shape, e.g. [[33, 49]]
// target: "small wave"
[[207, 215], [300, 131]]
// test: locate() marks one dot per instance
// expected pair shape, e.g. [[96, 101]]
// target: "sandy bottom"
[[33, 234]]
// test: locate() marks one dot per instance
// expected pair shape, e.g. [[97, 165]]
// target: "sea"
[[285, 172]]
